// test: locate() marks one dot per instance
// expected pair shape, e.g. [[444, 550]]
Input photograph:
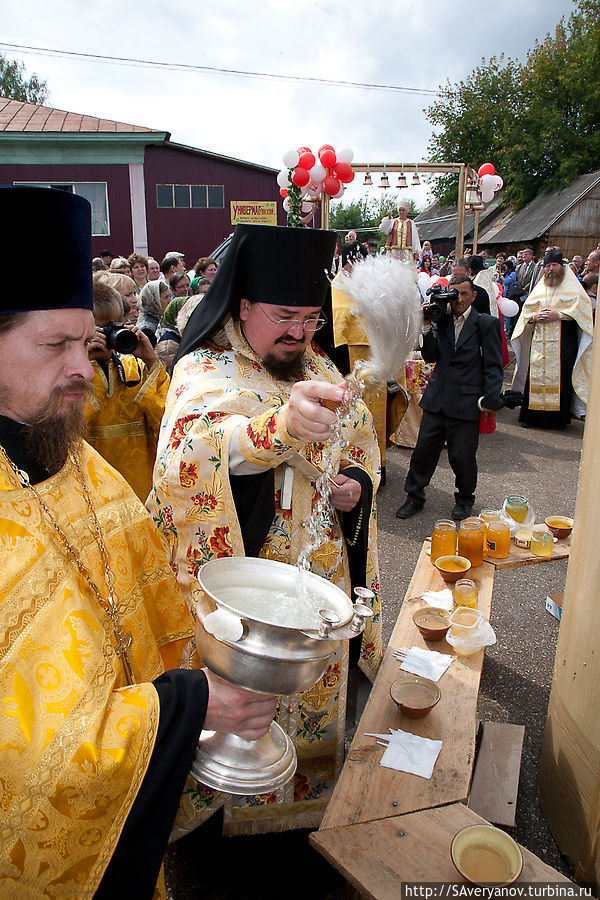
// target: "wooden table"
[[367, 791], [522, 556], [376, 857]]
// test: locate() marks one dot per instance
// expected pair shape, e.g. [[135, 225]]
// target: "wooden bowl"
[[560, 526], [451, 568], [433, 623], [414, 695], [486, 855]]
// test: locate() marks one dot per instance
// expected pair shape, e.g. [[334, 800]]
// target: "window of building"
[[94, 191], [190, 196]]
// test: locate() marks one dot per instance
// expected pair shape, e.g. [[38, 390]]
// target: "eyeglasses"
[[309, 325]]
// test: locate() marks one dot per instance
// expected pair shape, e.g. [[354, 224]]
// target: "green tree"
[[537, 122], [15, 86], [366, 215]]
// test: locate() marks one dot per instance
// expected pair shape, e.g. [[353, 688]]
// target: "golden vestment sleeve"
[[75, 741]]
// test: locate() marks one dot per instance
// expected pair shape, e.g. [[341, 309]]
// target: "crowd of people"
[[152, 418]]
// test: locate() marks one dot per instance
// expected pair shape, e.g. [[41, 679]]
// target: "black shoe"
[[409, 508], [460, 511]]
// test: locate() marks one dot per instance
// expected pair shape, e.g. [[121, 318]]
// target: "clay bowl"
[[486, 855], [414, 695], [451, 568], [560, 526], [433, 623]]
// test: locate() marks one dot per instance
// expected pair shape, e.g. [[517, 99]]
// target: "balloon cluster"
[[329, 175], [489, 181]]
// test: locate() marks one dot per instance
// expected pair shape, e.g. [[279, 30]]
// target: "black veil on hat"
[[267, 264], [37, 221]]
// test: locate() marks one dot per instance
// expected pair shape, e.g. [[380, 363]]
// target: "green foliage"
[[15, 86], [537, 122], [366, 214]]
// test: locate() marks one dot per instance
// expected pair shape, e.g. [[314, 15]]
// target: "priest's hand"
[[236, 710], [345, 493], [547, 315], [307, 419]]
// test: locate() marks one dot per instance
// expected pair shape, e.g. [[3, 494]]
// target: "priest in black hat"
[[98, 725], [243, 429], [552, 341]]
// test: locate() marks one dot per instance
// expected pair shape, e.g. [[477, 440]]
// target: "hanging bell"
[[368, 182], [384, 181]]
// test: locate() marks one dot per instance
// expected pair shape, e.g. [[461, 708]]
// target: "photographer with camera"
[[129, 392], [466, 347]]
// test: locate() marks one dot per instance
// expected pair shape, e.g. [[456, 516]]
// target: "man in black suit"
[[466, 347]]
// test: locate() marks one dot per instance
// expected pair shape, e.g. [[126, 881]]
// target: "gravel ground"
[[517, 672]]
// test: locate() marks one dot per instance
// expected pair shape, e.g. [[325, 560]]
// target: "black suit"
[[463, 373]]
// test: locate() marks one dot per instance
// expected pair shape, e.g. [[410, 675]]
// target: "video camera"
[[119, 338], [438, 303]]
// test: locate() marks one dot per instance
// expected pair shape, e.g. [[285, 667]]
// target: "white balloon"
[[340, 193], [424, 279], [486, 196], [345, 155], [307, 206], [286, 204], [314, 189], [488, 182], [318, 173], [283, 179], [499, 183], [290, 159], [508, 307]]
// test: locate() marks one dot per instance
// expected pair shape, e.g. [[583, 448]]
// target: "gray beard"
[[552, 279]]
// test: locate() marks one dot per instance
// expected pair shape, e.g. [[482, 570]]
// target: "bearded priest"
[[98, 724]]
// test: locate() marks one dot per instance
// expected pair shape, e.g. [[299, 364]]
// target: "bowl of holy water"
[[271, 628]]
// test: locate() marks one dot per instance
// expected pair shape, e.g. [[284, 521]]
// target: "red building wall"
[[120, 239], [197, 232]]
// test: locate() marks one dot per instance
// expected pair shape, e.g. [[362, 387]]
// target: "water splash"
[[386, 299]]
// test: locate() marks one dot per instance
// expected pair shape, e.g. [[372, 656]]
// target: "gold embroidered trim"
[[111, 432]]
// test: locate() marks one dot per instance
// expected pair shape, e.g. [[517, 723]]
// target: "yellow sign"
[[256, 212]]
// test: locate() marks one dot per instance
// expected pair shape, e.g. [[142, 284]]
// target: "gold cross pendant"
[[124, 643]]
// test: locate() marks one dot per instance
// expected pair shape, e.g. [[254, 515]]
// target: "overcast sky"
[[417, 45]]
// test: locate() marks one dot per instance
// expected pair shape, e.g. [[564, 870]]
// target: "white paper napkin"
[[441, 599], [408, 752], [427, 663]]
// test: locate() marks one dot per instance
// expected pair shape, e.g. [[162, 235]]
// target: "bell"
[[402, 182], [368, 182], [415, 179], [384, 181]]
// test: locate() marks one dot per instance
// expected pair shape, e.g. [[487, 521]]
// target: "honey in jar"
[[517, 508], [470, 541], [497, 540], [443, 539], [465, 593], [541, 543]]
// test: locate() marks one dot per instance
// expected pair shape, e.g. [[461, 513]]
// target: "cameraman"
[[129, 391], [466, 347]]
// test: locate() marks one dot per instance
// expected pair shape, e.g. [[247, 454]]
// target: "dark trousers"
[[462, 436]]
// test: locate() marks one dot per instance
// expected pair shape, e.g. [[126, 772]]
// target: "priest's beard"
[[289, 369], [552, 279], [57, 430]]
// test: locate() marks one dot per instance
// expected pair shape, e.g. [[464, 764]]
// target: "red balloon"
[[486, 169], [324, 147], [283, 192], [307, 160], [331, 185], [328, 158], [302, 150], [300, 176], [343, 171]]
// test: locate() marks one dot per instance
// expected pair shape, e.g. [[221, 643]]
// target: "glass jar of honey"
[[541, 543], [465, 593], [443, 539], [470, 540], [497, 539], [517, 508]]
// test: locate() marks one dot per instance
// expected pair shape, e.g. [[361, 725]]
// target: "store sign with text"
[[254, 212]]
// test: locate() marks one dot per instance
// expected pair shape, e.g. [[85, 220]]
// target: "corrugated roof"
[[28, 117], [538, 216], [437, 223]]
